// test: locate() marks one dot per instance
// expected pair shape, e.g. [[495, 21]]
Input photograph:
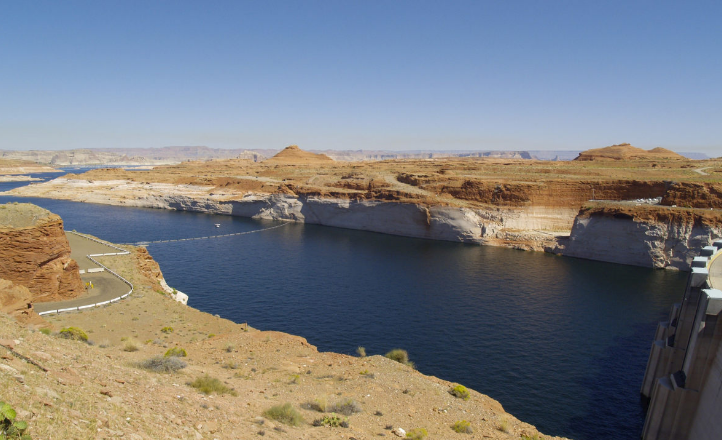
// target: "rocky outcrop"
[[148, 267], [646, 236], [694, 195], [16, 300], [35, 253]]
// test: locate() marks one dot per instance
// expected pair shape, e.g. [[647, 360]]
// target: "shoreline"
[[643, 235]]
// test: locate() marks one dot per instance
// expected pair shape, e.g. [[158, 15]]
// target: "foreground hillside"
[[97, 390]]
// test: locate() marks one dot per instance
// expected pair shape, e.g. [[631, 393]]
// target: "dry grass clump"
[[209, 385], [160, 364], [131, 345], [504, 425], [285, 413]]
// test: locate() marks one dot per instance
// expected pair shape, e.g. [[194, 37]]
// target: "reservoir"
[[562, 343]]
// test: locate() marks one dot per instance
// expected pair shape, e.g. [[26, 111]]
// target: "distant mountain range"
[[172, 155]]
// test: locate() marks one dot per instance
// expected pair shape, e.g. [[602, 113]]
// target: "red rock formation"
[[35, 253]]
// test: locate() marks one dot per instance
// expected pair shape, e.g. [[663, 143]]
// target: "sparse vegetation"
[[361, 351], [417, 434], [400, 356], [295, 379], [230, 348], [45, 331], [176, 352], [460, 391], [167, 329], [10, 427], [285, 413], [160, 364], [209, 385], [532, 437], [332, 420], [73, 333], [462, 427]]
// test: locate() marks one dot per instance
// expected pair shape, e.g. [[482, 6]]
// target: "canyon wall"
[[648, 236], [35, 253]]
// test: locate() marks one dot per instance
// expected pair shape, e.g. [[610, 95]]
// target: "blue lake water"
[[562, 343]]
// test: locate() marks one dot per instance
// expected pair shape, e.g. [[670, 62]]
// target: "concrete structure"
[[684, 371]]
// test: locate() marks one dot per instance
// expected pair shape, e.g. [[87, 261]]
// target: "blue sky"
[[361, 74]]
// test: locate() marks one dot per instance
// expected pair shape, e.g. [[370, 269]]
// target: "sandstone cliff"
[[648, 236], [35, 253]]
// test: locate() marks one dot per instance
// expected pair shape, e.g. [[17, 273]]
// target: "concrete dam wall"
[[683, 379]]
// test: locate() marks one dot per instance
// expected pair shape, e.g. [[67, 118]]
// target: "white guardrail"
[[90, 257]]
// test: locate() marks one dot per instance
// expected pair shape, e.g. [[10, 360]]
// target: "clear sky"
[[365, 74]]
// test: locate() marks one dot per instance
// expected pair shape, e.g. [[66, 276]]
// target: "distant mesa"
[[294, 155], [627, 152]]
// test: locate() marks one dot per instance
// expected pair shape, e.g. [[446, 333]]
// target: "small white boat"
[[218, 225]]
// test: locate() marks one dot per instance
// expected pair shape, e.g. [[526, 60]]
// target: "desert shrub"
[[462, 427], [367, 374], [10, 428], [417, 434], [208, 385], [211, 335], [346, 407], [361, 351], [532, 437], [333, 421], [285, 413], [160, 364], [231, 365], [460, 391], [295, 379], [400, 356], [167, 329], [45, 331], [230, 348], [176, 352], [73, 333]]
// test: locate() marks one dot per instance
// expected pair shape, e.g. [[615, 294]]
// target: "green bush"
[[10, 428], [176, 352], [460, 391], [160, 364], [45, 331], [400, 356], [285, 413], [462, 427], [73, 333], [417, 434], [167, 329], [208, 385]]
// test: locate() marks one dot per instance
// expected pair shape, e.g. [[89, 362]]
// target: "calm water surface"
[[562, 343]]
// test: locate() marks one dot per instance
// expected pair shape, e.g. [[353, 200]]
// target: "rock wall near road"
[[35, 253], [643, 236]]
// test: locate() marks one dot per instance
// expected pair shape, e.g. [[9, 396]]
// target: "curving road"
[[106, 286]]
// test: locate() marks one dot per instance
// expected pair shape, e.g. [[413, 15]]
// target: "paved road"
[[715, 273], [106, 286]]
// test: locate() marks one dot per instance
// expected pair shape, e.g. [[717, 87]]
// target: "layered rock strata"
[[646, 236], [36, 254]]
